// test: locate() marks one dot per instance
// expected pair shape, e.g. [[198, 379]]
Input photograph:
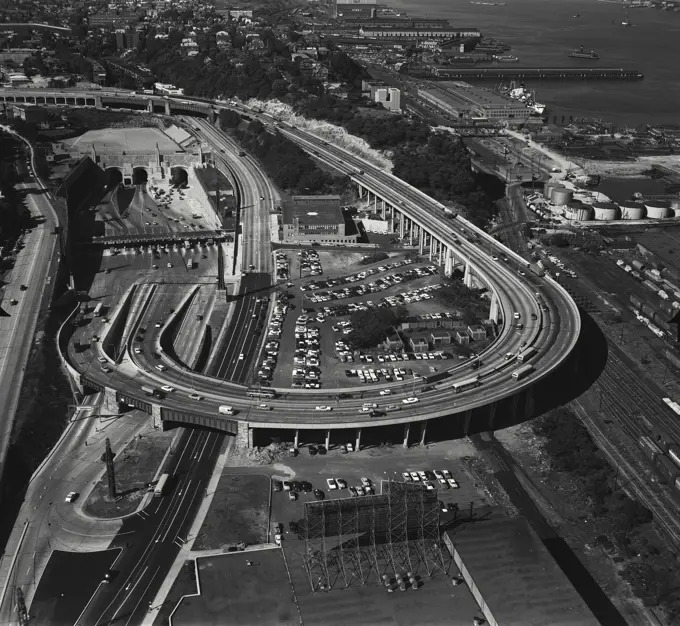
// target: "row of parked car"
[[375, 287], [296, 487], [272, 346], [307, 355], [353, 278], [432, 479], [309, 262], [282, 265]]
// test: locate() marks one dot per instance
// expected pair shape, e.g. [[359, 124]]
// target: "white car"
[[410, 400], [415, 477], [71, 496], [195, 396], [366, 482], [406, 476], [495, 258], [324, 408], [331, 483], [446, 473], [422, 475], [241, 356], [438, 474], [452, 483], [167, 388], [138, 351], [101, 359], [428, 485], [386, 392]]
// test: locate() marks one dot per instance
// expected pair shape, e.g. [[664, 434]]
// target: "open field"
[[235, 594], [239, 512], [135, 466], [137, 139]]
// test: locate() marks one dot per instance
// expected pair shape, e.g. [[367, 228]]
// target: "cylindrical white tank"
[[547, 188], [657, 209], [555, 188], [561, 196], [605, 211], [632, 210], [585, 213], [675, 206]]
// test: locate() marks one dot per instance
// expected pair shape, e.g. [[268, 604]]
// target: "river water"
[[543, 32]]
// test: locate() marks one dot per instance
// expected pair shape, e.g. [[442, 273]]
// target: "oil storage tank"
[[657, 209], [547, 188], [561, 196], [605, 211], [632, 210], [555, 188], [578, 212], [675, 207]]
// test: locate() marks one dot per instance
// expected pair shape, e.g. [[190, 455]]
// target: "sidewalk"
[[186, 553]]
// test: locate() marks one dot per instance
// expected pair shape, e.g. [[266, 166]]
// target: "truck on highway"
[[98, 309], [161, 486], [190, 264], [521, 372], [150, 391]]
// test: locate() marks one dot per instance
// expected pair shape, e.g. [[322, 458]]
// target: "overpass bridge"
[[550, 316]]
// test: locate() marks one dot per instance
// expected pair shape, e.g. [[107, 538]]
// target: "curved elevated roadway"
[[553, 333]]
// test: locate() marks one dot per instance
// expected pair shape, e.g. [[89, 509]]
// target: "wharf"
[[537, 73]]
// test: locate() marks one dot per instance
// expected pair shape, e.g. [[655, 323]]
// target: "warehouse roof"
[[519, 581], [313, 210]]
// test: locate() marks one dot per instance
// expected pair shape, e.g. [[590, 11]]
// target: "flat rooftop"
[[458, 94], [120, 139], [313, 210], [520, 582]]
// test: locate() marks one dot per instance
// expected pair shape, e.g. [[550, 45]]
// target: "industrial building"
[[374, 223], [337, 8], [317, 219], [415, 33], [512, 576], [459, 99]]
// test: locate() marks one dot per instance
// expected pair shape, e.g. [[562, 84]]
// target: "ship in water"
[[583, 54], [626, 22], [523, 95], [489, 4]]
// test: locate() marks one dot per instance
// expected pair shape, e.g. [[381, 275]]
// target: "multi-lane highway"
[[553, 332], [22, 304]]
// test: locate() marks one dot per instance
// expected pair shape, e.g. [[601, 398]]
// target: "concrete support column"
[[448, 262], [495, 310], [156, 416], [110, 402], [466, 422], [432, 240], [328, 440], [167, 108], [467, 278], [244, 436], [492, 415], [375, 203], [407, 432], [402, 218], [410, 233], [149, 105], [423, 432], [382, 208], [357, 447], [442, 253], [421, 242], [296, 439]]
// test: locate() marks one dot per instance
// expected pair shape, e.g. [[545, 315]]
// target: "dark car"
[[296, 486], [277, 485], [312, 450], [306, 486], [23, 287], [294, 527], [321, 450], [319, 494]]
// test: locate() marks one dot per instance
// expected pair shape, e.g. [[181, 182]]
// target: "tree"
[[369, 328]]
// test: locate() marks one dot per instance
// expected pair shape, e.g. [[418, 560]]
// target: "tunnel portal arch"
[[114, 177], [179, 176], [140, 176]]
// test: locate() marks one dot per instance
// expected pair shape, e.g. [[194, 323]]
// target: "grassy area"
[[135, 466], [239, 512]]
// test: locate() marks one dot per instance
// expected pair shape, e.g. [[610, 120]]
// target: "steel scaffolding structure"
[[356, 540]]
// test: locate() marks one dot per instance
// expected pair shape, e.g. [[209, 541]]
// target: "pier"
[[536, 73]]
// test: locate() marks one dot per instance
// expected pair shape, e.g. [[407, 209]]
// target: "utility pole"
[[110, 474]]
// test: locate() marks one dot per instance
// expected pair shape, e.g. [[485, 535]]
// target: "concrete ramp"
[[140, 302]]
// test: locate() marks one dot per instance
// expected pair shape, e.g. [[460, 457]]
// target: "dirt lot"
[[239, 512], [135, 466]]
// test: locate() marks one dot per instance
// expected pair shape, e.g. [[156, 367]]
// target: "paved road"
[[17, 330], [152, 539]]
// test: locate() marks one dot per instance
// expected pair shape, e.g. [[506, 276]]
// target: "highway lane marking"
[[141, 597], [122, 604], [177, 509], [150, 545]]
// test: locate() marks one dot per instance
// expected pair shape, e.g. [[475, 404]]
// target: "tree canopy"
[[369, 328]]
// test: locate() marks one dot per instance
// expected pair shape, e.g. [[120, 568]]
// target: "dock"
[[536, 73]]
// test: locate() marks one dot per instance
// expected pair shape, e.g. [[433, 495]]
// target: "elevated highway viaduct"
[[549, 315]]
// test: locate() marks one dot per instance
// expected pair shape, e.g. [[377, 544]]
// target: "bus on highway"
[[529, 353], [98, 309], [464, 385], [254, 392], [190, 264], [161, 486], [523, 371]]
